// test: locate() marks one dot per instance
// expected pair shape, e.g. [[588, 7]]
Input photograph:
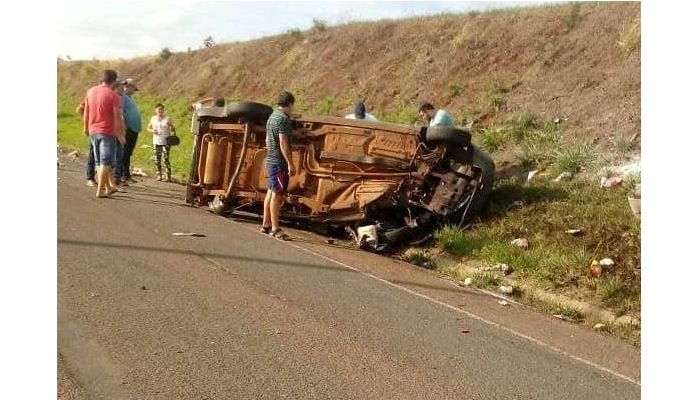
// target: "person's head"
[[160, 109], [129, 86], [285, 100], [118, 87], [109, 77], [426, 111], [360, 110], [219, 102]]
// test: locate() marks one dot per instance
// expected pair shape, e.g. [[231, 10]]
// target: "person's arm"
[[286, 150], [119, 125], [150, 127], [172, 127], [86, 118], [81, 108]]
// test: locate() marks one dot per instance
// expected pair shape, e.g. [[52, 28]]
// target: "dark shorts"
[[278, 178]]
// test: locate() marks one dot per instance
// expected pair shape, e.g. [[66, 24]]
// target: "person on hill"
[[435, 118], [161, 127], [103, 122], [278, 163], [361, 113]]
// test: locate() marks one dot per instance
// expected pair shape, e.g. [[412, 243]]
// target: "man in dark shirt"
[[278, 163]]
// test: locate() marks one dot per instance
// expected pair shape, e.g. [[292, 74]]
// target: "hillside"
[[579, 62]]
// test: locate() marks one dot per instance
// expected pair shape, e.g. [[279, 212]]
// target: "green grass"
[[421, 259], [555, 260]]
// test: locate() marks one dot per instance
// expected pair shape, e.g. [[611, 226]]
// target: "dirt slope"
[[574, 61]]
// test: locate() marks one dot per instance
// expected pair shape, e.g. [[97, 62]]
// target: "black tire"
[[449, 134], [488, 174], [249, 110], [217, 112]]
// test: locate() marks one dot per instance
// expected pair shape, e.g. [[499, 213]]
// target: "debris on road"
[[599, 327], [564, 318], [610, 182], [465, 331], [596, 270], [93, 294], [74, 154], [505, 269], [531, 175], [503, 303], [138, 171], [606, 263], [563, 176], [575, 232], [330, 241], [144, 288], [188, 234], [521, 243], [506, 289]]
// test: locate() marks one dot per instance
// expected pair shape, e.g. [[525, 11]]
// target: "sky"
[[119, 29]]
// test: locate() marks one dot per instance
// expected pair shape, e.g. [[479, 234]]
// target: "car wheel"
[[449, 134], [217, 112], [249, 110]]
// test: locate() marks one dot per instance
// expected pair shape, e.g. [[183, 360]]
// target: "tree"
[[208, 41], [165, 53]]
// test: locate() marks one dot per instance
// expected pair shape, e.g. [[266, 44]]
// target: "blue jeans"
[[105, 149]]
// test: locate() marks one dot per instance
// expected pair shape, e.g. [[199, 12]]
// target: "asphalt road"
[[233, 314]]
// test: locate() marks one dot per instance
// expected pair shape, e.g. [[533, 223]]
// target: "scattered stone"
[[606, 263], [330, 241], [93, 294], [145, 146], [468, 281], [564, 176], [506, 289], [74, 154], [138, 171], [557, 120], [521, 243], [610, 182], [505, 269], [144, 288], [627, 320], [575, 232], [465, 331], [503, 303], [595, 269], [599, 327], [564, 317]]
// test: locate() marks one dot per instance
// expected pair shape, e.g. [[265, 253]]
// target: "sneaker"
[[91, 182], [265, 230], [159, 177]]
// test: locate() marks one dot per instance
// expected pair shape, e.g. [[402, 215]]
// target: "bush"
[[165, 53]]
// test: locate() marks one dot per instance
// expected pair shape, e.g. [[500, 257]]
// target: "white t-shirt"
[[162, 127], [368, 117]]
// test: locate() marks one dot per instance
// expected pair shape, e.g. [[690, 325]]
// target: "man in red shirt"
[[103, 121]]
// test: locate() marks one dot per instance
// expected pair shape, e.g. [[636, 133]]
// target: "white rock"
[[503, 303], [521, 243], [531, 175], [506, 289], [574, 232], [563, 176], [599, 327], [606, 262], [468, 281]]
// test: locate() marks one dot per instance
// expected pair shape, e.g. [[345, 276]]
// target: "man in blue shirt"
[[132, 118], [435, 118], [278, 163]]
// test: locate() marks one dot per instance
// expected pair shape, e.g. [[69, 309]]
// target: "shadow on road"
[[268, 261]]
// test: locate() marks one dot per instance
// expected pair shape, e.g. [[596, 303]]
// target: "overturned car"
[[385, 184]]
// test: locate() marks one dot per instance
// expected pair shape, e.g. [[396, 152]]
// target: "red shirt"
[[101, 102]]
